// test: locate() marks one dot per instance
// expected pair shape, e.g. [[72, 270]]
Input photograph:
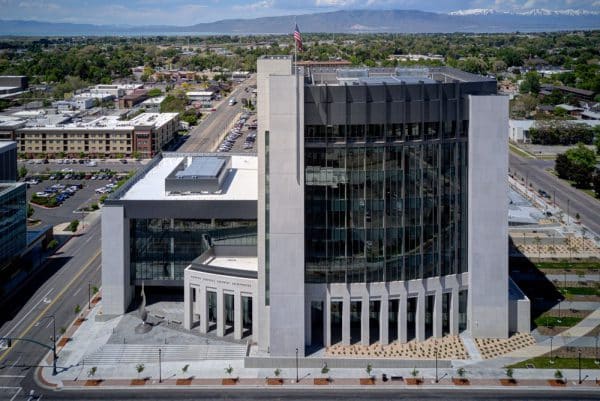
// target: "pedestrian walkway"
[[471, 347], [110, 354], [567, 337]]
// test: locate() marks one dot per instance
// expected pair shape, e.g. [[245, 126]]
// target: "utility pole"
[[159, 366]]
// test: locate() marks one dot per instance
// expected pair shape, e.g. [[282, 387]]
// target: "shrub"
[[73, 226], [277, 372], [52, 244]]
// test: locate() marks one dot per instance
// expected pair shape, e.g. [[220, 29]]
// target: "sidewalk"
[[87, 337]]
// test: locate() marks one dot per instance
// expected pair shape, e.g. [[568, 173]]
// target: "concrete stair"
[[110, 354]]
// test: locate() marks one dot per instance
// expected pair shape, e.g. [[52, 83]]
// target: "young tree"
[[139, 368]]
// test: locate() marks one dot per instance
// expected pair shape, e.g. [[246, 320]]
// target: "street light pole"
[[579, 363], [551, 360], [596, 350], [559, 319], [297, 365], [89, 295], [54, 358], [159, 366], [436, 366]]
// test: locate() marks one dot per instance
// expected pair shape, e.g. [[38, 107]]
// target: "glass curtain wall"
[[384, 202], [162, 248], [13, 221]]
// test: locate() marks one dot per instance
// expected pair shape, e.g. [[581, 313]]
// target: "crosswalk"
[[110, 354]]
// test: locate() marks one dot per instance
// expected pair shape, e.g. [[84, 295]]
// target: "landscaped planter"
[[79, 321], [183, 382], [321, 381], [92, 382], [274, 381], [557, 382], [63, 341], [229, 381], [367, 381], [414, 380], [138, 382], [460, 381], [508, 382]]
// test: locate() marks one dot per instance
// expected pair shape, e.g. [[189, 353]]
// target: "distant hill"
[[347, 21]]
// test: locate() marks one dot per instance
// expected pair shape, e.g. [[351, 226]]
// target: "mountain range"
[[346, 21]]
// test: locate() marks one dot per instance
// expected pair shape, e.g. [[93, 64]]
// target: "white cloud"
[[259, 5], [334, 3]]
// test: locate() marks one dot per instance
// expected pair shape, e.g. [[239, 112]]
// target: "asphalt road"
[[56, 290], [565, 196], [317, 394], [203, 137]]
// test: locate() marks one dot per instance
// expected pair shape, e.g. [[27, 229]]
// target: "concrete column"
[[346, 320], [384, 321], [420, 318], [365, 334], [220, 313], [454, 312], [254, 319], [402, 315], [327, 321], [188, 307], [237, 316], [202, 295], [437, 314]]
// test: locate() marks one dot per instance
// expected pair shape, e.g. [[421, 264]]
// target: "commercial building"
[[10, 84], [8, 161], [106, 136], [173, 211], [134, 98]]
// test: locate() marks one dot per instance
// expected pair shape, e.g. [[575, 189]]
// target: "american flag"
[[298, 38]]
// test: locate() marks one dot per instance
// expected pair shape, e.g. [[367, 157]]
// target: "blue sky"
[[187, 12]]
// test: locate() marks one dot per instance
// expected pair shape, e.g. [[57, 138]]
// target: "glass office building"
[[13, 221]]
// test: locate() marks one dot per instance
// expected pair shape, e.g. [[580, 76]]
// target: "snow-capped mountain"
[[534, 12]]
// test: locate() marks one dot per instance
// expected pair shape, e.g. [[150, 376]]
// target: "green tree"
[[597, 140], [22, 172], [174, 103], [576, 164], [154, 92], [596, 183], [531, 83]]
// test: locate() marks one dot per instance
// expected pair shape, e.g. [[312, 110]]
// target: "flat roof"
[[7, 145], [248, 263], [379, 76], [240, 184]]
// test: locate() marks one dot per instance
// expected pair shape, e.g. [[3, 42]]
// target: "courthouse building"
[[379, 200]]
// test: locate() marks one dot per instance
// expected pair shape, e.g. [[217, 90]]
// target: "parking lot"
[[242, 138], [72, 191]]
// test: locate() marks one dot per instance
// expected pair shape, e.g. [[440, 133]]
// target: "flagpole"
[[295, 46]]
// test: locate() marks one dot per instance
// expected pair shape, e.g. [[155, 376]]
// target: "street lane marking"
[[18, 376], [16, 394], [27, 314], [45, 310]]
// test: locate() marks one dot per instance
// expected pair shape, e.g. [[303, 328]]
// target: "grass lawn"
[[567, 265], [520, 151], [582, 290], [543, 362], [565, 321]]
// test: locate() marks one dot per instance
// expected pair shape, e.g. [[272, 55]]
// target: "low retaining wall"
[[340, 363]]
